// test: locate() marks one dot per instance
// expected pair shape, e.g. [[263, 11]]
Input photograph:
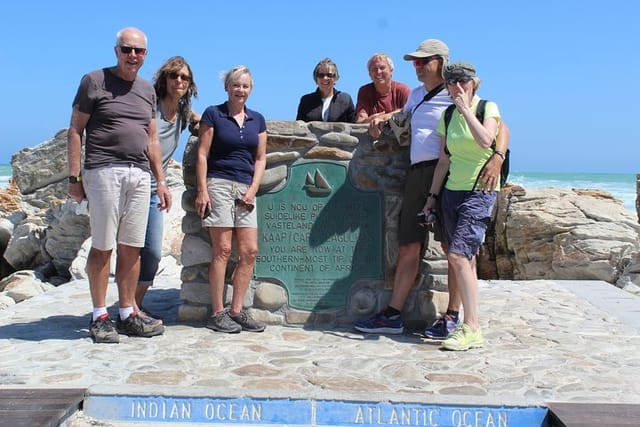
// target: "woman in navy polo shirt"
[[229, 167]]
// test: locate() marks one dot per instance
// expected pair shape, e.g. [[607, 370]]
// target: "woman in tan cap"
[[467, 144]]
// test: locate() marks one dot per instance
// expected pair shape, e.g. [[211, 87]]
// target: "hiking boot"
[[442, 327], [222, 322], [135, 326], [102, 330], [381, 324], [247, 322], [463, 338], [148, 319]]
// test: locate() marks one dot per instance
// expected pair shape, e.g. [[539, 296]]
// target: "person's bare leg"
[[127, 274], [220, 253], [247, 239], [98, 267], [455, 300], [406, 273], [468, 286], [141, 291]]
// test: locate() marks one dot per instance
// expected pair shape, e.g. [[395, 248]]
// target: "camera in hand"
[[428, 218]]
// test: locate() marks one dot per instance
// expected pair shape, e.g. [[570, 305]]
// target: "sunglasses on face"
[[136, 50], [184, 77], [421, 62], [455, 81], [242, 205], [323, 75]]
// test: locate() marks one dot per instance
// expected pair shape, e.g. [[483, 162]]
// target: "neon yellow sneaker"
[[463, 338]]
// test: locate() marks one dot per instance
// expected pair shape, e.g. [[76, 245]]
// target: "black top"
[[341, 108]]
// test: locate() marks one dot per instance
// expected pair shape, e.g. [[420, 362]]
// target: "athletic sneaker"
[[135, 326], [442, 327], [149, 319], [102, 330], [463, 338], [150, 314], [381, 324], [222, 322], [247, 322]]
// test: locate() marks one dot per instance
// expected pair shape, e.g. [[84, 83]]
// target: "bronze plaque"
[[319, 234]]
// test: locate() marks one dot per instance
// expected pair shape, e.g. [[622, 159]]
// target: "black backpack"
[[504, 172]]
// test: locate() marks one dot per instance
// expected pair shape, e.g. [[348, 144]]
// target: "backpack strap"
[[448, 113]]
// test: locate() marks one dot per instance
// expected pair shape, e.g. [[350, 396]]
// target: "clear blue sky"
[[564, 73]]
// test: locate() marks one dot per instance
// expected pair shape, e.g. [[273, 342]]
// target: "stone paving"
[[545, 341]]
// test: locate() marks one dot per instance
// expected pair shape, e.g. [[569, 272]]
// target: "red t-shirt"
[[372, 102]]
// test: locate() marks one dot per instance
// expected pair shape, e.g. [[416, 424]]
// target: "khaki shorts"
[[118, 205], [224, 213]]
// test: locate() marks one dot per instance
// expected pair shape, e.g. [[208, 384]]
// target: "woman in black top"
[[326, 104]]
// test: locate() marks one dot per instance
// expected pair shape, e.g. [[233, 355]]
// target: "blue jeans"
[[152, 251]]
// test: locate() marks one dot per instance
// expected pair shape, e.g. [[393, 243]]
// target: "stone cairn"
[[370, 168]]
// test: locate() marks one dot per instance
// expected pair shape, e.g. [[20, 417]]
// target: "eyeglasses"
[[136, 50], [242, 205], [184, 77], [323, 75], [457, 80], [421, 62]]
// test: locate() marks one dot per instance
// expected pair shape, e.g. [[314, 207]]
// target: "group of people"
[[454, 172], [133, 127]]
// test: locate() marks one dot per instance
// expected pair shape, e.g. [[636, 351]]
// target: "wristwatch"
[[499, 153], [75, 179]]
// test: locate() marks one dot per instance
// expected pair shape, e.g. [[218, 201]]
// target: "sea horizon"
[[620, 185]]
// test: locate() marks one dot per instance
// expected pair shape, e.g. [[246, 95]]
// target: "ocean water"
[[621, 186], [5, 176]]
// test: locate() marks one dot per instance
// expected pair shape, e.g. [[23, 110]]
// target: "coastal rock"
[[10, 199], [42, 165], [66, 232], [24, 249], [23, 285], [638, 196], [6, 230], [564, 234]]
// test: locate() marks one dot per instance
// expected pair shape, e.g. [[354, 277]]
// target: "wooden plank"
[[38, 407], [593, 414]]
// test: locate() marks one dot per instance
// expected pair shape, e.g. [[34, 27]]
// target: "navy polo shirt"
[[233, 149]]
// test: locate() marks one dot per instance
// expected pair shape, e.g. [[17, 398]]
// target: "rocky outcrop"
[[638, 196], [42, 232], [561, 234]]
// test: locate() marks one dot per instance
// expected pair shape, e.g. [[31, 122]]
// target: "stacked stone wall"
[[372, 166]]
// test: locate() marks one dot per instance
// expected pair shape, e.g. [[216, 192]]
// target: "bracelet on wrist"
[[434, 195], [499, 153]]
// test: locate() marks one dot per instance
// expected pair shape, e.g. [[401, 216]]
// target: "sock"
[[125, 312], [390, 312], [99, 311], [454, 314]]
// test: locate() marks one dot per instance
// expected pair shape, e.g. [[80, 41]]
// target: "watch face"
[[73, 179]]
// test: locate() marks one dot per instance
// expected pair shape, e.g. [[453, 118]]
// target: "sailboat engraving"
[[317, 185]]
